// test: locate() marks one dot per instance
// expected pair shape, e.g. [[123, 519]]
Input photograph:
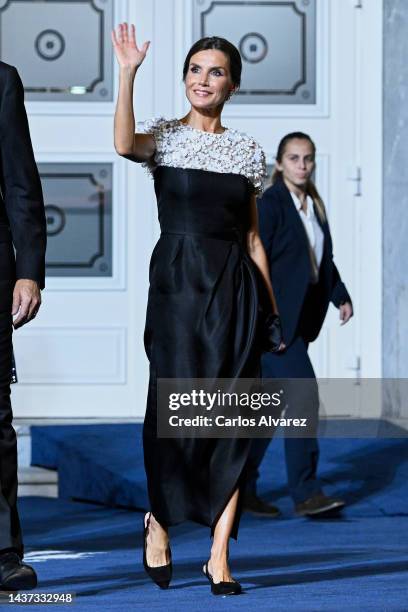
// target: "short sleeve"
[[156, 128], [258, 174], [151, 126]]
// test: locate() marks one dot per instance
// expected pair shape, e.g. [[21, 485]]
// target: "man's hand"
[[346, 312], [26, 301]]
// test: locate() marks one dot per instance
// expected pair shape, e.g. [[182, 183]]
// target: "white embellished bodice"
[[182, 146]]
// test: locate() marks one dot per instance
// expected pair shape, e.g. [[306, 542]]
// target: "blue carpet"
[[98, 463], [356, 562], [104, 464]]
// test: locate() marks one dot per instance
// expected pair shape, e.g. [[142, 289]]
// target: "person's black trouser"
[[10, 533], [301, 453]]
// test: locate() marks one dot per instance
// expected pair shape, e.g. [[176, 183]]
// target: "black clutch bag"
[[271, 333], [269, 323]]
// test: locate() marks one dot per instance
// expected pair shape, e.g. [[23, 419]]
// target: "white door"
[[345, 124], [84, 356], [349, 145]]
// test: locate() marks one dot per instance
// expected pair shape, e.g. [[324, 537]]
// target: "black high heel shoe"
[[162, 574], [222, 588]]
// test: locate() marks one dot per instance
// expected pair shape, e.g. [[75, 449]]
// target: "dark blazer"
[[22, 217], [287, 248]]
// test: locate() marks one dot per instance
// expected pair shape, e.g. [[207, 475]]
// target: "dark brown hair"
[[220, 44], [311, 189]]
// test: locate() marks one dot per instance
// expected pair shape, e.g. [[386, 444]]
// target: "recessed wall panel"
[[277, 43], [62, 48], [78, 206], [71, 355]]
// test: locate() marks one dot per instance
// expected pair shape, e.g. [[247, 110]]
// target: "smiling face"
[[208, 79], [297, 163]]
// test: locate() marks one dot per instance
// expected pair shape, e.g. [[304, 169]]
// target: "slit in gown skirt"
[[201, 322]]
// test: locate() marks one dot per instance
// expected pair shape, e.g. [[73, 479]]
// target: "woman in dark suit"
[[296, 236]]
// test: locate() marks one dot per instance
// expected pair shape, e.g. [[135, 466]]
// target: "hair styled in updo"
[[220, 44]]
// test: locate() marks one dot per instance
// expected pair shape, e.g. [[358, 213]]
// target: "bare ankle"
[[160, 533], [156, 525], [219, 555]]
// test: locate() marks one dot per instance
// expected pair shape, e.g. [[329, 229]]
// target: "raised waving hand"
[[126, 50]]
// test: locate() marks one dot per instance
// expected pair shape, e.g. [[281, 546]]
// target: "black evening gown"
[[201, 323]]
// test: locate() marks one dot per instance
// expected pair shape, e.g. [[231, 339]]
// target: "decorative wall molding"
[[90, 355], [78, 207], [76, 106], [117, 281], [276, 39], [64, 50], [186, 16]]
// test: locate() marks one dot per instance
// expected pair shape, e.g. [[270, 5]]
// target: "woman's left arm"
[[257, 253]]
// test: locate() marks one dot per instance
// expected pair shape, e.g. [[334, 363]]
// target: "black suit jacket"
[[286, 244], [22, 217]]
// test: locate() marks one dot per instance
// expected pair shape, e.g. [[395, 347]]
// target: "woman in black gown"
[[203, 300]]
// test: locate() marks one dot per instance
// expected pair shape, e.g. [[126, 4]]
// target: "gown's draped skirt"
[[201, 323]]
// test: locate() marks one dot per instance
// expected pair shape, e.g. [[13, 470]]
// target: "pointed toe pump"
[[162, 574], [222, 588]]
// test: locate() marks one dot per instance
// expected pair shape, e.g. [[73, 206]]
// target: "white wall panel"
[[71, 356]]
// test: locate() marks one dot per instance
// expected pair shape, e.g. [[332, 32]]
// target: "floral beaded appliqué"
[[182, 146]]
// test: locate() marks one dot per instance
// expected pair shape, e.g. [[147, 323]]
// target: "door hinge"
[[357, 179]]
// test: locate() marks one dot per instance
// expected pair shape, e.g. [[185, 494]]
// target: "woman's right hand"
[[126, 51]]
